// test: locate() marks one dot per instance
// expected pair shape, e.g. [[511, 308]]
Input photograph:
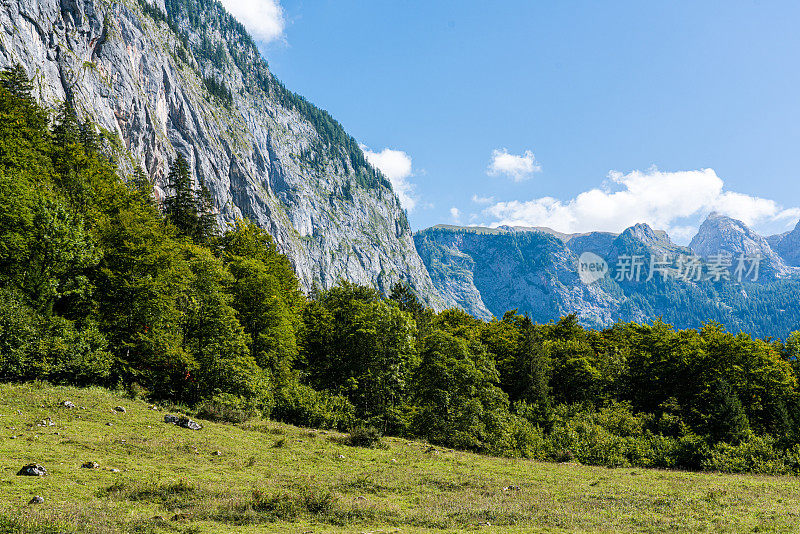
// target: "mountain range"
[[168, 77], [487, 271]]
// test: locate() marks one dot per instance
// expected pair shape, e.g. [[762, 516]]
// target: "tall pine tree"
[[189, 209]]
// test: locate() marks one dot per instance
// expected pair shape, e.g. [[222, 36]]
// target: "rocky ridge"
[[788, 246], [487, 271]]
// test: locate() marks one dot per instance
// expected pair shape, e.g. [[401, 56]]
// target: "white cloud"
[[455, 214], [262, 18], [665, 200], [396, 166], [518, 168], [482, 200]]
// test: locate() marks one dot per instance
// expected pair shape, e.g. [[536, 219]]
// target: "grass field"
[[270, 477]]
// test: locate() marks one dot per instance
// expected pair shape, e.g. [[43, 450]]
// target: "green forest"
[[99, 285]]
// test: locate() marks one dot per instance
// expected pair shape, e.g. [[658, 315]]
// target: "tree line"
[[100, 285]]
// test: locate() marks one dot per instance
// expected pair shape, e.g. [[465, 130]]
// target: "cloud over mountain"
[[262, 18], [662, 199]]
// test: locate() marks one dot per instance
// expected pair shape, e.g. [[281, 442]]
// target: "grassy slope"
[[166, 470]]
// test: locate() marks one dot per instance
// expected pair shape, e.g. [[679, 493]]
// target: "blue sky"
[[576, 115]]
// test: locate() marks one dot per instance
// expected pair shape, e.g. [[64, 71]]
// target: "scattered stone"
[[120, 409], [512, 487], [216, 453], [68, 404], [185, 422], [341, 456], [114, 470], [13, 437], [182, 421], [32, 470], [90, 465], [37, 499], [109, 424], [393, 460]]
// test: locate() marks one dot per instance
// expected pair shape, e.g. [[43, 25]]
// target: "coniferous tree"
[[15, 80], [142, 185], [189, 209]]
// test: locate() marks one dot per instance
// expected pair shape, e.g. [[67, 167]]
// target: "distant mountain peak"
[[788, 246], [721, 234]]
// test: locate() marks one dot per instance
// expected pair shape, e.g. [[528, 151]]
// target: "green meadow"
[[263, 476]]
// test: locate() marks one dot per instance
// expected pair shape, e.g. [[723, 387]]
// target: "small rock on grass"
[[32, 470], [68, 404], [182, 421], [90, 465], [37, 499], [120, 409], [185, 422]]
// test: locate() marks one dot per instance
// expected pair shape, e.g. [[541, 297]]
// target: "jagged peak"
[[722, 234]]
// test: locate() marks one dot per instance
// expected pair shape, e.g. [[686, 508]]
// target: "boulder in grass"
[[120, 409], [32, 470], [185, 422], [37, 499], [90, 465], [182, 421]]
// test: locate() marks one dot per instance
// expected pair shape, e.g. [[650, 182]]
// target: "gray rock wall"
[[261, 157]]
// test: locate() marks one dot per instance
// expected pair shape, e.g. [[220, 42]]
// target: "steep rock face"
[[145, 71], [788, 246], [723, 235], [490, 271]]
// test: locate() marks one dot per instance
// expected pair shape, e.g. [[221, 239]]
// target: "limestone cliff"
[[167, 76]]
